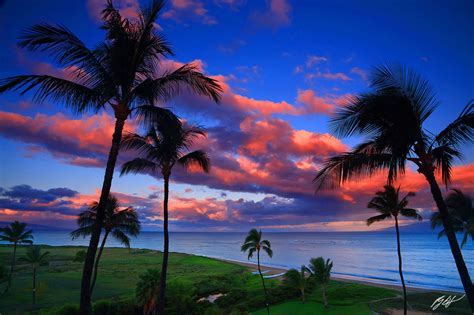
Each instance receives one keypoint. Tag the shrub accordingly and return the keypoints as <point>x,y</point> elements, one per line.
<point>67,309</point>
<point>80,256</point>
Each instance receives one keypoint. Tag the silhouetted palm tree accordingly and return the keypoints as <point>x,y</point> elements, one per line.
<point>119,223</point>
<point>123,71</point>
<point>461,215</point>
<point>148,291</point>
<point>297,280</point>
<point>159,151</point>
<point>392,117</point>
<point>254,243</point>
<point>389,204</point>
<point>35,258</point>
<point>15,233</point>
<point>321,273</point>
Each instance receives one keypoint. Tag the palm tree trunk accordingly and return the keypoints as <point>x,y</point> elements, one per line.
<point>325,298</point>
<point>85,301</point>
<point>96,266</point>
<point>34,286</point>
<point>11,269</point>
<point>263,282</point>
<point>303,297</point>
<point>453,243</point>
<point>164,266</point>
<point>400,267</point>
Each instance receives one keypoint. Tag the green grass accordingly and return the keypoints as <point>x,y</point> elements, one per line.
<point>59,282</point>
<point>311,308</point>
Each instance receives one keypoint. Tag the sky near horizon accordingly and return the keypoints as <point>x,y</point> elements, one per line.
<point>285,66</point>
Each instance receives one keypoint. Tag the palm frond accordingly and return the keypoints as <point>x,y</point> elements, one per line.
<point>198,157</point>
<point>139,165</point>
<point>443,157</point>
<point>172,84</point>
<point>378,218</point>
<point>411,213</point>
<point>461,130</point>
<point>74,95</point>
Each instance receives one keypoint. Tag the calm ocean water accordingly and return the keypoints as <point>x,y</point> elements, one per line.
<point>363,256</point>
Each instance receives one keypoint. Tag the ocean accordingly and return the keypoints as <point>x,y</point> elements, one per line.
<point>427,261</point>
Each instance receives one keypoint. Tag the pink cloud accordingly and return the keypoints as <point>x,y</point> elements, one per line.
<point>328,76</point>
<point>183,10</point>
<point>276,15</point>
<point>360,72</point>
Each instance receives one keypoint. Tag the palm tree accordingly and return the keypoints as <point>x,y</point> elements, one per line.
<point>389,204</point>
<point>164,146</point>
<point>148,291</point>
<point>461,215</point>
<point>119,223</point>
<point>15,233</point>
<point>123,71</point>
<point>321,273</point>
<point>391,116</point>
<point>254,243</point>
<point>297,280</point>
<point>35,258</point>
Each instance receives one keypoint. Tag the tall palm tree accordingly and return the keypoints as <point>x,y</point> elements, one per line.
<point>321,273</point>
<point>389,204</point>
<point>158,152</point>
<point>391,116</point>
<point>123,71</point>
<point>297,280</point>
<point>461,215</point>
<point>254,243</point>
<point>35,258</point>
<point>148,291</point>
<point>16,233</point>
<point>119,223</point>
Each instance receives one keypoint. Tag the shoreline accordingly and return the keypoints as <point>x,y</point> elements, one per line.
<point>272,271</point>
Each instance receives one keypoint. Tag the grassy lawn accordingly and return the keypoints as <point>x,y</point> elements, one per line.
<point>311,308</point>
<point>59,282</point>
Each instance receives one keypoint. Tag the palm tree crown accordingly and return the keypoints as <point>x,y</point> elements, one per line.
<point>148,288</point>
<point>391,116</point>
<point>15,233</point>
<point>254,243</point>
<point>163,147</point>
<point>120,223</point>
<point>122,71</point>
<point>461,215</point>
<point>320,270</point>
<point>297,280</point>
<point>34,256</point>
<point>389,205</point>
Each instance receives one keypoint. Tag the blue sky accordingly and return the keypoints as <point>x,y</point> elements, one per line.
<point>266,51</point>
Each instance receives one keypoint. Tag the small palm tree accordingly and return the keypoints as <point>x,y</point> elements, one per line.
<point>148,291</point>
<point>391,117</point>
<point>119,223</point>
<point>165,145</point>
<point>461,215</point>
<point>389,204</point>
<point>35,258</point>
<point>123,71</point>
<point>297,280</point>
<point>15,233</point>
<point>254,243</point>
<point>321,274</point>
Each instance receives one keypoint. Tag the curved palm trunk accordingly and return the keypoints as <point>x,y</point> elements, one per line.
<point>11,269</point>
<point>453,243</point>
<point>85,302</point>
<point>96,266</point>
<point>34,286</point>
<point>263,282</point>
<point>400,267</point>
<point>164,266</point>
